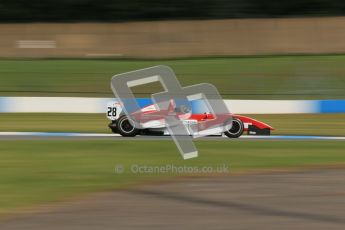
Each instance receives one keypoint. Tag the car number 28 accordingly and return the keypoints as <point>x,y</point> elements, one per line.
<point>111,111</point>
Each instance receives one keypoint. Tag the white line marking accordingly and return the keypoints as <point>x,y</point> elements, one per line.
<point>291,137</point>
<point>57,134</point>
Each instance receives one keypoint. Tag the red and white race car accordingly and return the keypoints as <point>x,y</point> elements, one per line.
<point>121,124</point>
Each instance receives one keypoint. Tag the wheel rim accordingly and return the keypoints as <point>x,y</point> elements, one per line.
<point>126,126</point>
<point>236,127</point>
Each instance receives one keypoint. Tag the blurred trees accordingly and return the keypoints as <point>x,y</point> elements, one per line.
<point>135,10</point>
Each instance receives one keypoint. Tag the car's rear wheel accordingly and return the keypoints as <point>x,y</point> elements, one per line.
<point>236,129</point>
<point>125,128</point>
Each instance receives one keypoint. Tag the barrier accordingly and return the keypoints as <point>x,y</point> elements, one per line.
<point>99,105</point>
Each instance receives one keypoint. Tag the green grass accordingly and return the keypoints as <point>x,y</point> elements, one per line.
<point>37,172</point>
<point>292,124</point>
<point>280,77</point>
<point>54,122</point>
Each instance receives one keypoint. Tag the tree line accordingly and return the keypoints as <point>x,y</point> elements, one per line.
<point>138,10</point>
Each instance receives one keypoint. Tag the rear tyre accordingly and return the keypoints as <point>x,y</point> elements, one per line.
<point>125,128</point>
<point>236,129</point>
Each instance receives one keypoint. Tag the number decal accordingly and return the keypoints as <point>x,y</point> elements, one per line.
<point>114,112</point>
<point>111,111</point>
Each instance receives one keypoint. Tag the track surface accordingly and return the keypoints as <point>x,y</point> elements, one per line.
<point>88,136</point>
<point>291,200</point>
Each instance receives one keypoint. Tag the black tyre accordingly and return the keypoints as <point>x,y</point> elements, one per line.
<point>125,128</point>
<point>236,129</point>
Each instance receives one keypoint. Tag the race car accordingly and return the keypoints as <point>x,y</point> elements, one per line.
<point>122,124</point>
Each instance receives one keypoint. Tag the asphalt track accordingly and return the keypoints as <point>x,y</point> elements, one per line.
<point>117,137</point>
<point>313,199</point>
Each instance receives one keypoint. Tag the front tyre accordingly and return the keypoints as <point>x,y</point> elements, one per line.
<point>236,129</point>
<point>125,128</point>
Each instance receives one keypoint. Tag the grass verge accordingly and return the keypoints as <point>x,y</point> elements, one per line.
<point>267,77</point>
<point>37,172</point>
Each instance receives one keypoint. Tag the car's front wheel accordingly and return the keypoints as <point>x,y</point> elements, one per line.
<point>236,129</point>
<point>125,128</point>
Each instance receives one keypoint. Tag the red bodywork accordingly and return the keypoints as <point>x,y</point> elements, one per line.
<point>246,120</point>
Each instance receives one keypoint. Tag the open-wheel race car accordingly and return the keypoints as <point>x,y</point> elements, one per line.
<point>121,123</point>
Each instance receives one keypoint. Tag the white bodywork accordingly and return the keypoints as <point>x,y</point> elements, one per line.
<point>114,111</point>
